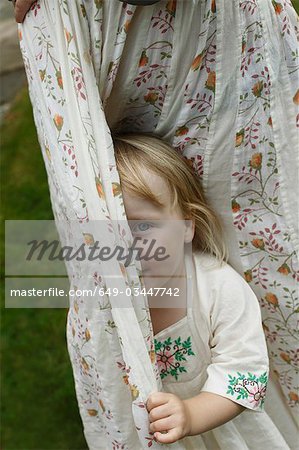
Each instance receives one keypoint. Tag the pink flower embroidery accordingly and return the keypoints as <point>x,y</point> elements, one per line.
<point>165,360</point>
<point>170,355</point>
<point>256,393</point>
<point>250,387</point>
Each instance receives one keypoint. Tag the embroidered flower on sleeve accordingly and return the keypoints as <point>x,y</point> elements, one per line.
<point>250,387</point>
<point>171,354</point>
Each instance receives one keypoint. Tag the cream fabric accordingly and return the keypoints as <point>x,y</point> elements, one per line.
<point>227,348</point>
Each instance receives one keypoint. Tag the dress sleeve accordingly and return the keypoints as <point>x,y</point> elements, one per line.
<point>239,359</point>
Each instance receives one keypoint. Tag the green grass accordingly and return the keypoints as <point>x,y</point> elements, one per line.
<point>39,408</point>
<point>296,5</point>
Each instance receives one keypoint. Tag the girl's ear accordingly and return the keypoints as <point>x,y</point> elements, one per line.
<point>189,229</point>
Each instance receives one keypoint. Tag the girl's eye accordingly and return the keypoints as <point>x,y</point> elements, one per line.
<point>142,226</point>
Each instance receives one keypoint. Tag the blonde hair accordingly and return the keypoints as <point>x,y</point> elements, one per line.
<point>135,150</point>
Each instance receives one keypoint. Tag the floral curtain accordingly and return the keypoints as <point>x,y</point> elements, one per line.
<point>215,79</point>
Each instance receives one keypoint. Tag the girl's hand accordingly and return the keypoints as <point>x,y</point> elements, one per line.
<point>167,412</point>
<point>21,8</point>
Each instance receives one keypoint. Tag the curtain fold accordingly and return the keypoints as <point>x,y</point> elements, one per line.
<point>217,81</point>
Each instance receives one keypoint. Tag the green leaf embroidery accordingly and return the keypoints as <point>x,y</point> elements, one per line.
<point>170,354</point>
<point>249,387</point>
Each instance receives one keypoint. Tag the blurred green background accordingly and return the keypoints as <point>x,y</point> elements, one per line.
<point>38,408</point>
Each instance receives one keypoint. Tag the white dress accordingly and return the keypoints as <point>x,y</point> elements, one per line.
<point>219,347</point>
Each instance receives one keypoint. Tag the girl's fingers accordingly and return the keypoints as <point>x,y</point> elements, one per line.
<point>167,438</point>
<point>161,424</point>
<point>156,399</point>
<point>159,412</point>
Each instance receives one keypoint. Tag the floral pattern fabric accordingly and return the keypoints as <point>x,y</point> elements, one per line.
<point>225,95</point>
<point>171,356</point>
<point>248,386</point>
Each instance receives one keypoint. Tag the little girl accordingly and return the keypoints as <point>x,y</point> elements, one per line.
<point>209,341</point>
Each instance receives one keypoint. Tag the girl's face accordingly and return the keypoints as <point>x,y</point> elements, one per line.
<point>156,227</point>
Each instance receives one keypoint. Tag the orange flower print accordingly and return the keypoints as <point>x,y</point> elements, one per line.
<point>126,379</point>
<point>196,62</point>
<point>257,88</point>
<point>293,397</point>
<point>100,188</point>
<point>258,243</point>
<point>85,365</point>
<point>20,35</point>
<point>86,56</point>
<point>152,356</point>
<point>134,391</point>
<point>127,25</point>
<point>248,276</point>
<point>284,269</point>
<point>296,98</point>
<point>122,268</point>
<point>58,120</point>
<point>59,79</point>
<point>211,81</point>
<point>143,59</point>
<point>92,412</point>
<point>235,206</point>
<point>213,6</point>
<point>151,97</point>
<point>48,153</point>
<point>116,189</point>
<point>68,36</point>
<point>271,298</point>
<point>88,238</point>
<point>76,306</point>
<point>87,334</point>
<point>240,137</point>
<point>256,161</point>
<point>285,357</point>
<point>270,122</point>
<point>42,74</point>
<point>277,7</point>
<point>171,7</point>
<point>102,405</point>
<point>181,130</point>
